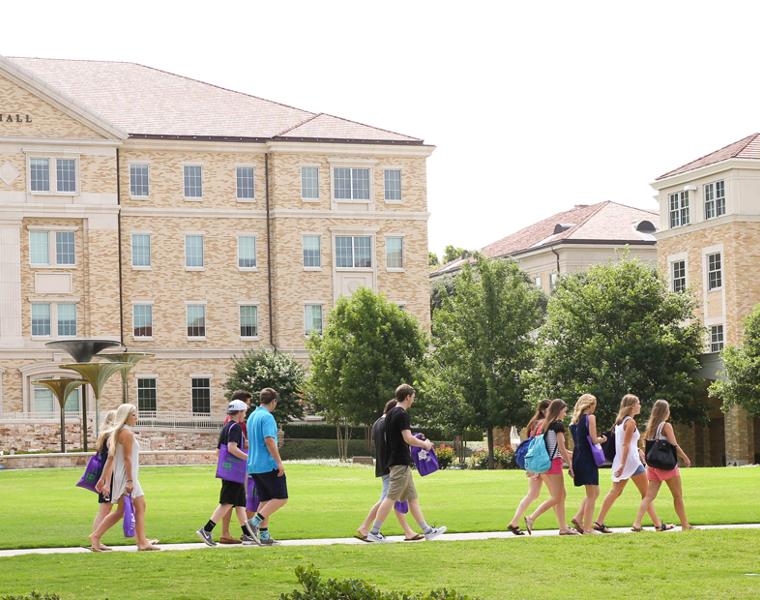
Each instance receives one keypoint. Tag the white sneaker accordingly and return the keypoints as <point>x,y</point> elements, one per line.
<point>376,537</point>
<point>435,532</point>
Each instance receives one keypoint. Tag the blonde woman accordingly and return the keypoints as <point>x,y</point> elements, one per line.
<point>101,447</point>
<point>585,471</point>
<point>534,479</point>
<point>627,464</point>
<point>125,449</point>
<point>659,428</point>
<point>554,436</point>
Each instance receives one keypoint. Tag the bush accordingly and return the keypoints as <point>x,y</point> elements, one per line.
<point>355,589</point>
<point>503,458</point>
<point>303,449</point>
<point>446,455</point>
<point>32,596</point>
<point>318,431</point>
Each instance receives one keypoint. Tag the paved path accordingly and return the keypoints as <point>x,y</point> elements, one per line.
<point>449,537</point>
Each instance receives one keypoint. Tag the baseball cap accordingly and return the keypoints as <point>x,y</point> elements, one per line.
<point>236,405</point>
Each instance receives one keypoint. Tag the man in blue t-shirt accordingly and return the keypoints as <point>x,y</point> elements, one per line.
<point>265,466</point>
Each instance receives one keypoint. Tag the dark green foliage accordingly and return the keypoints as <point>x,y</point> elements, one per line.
<point>451,252</point>
<point>256,370</point>
<point>315,588</point>
<point>304,449</point>
<point>433,259</point>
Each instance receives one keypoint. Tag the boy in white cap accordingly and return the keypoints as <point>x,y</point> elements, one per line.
<point>232,493</point>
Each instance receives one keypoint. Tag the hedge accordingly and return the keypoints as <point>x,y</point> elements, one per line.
<point>326,431</point>
<point>300,449</point>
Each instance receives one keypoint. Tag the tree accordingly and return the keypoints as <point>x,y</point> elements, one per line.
<point>617,330</point>
<point>368,348</point>
<point>741,386</point>
<point>452,253</point>
<point>483,347</point>
<point>258,369</point>
<point>433,259</point>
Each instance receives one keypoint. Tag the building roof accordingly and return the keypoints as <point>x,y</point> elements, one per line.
<point>748,147</point>
<point>148,102</point>
<point>606,222</point>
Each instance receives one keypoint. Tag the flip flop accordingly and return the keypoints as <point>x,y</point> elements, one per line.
<point>637,529</point>
<point>665,527</point>
<point>104,548</point>
<point>358,535</point>
<point>149,549</point>
<point>578,527</point>
<point>417,537</point>
<point>569,532</point>
<point>528,525</point>
<point>515,530</point>
<point>94,549</point>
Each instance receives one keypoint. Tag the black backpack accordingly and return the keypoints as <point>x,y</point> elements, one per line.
<point>608,447</point>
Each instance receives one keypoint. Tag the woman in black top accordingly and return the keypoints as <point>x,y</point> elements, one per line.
<point>585,471</point>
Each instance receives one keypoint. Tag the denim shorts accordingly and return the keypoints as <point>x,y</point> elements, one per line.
<point>386,485</point>
<point>641,469</point>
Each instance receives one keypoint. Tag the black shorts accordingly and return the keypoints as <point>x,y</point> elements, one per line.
<point>270,487</point>
<point>232,493</point>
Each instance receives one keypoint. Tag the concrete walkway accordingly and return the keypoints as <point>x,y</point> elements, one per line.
<point>449,537</point>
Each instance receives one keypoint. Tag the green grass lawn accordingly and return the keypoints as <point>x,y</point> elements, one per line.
<point>40,508</point>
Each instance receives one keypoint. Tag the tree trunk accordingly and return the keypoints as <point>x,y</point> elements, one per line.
<point>343,433</point>
<point>489,432</point>
<point>368,437</point>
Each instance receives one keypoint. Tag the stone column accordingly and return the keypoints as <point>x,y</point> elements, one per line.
<point>739,437</point>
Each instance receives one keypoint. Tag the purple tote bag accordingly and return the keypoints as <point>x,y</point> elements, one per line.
<point>92,473</point>
<point>251,498</point>
<point>230,468</point>
<point>129,517</point>
<point>401,506</point>
<point>596,449</point>
<point>425,461</point>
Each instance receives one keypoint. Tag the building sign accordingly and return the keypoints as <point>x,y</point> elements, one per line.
<point>15,118</point>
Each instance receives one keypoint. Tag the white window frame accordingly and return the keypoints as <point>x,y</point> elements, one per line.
<point>710,190</point>
<point>143,338</point>
<point>52,251</point>
<point>682,213</point>
<point>400,184</point>
<point>672,259</point>
<point>255,251</point>
<point>253,182</point>
<point>353,166</point>
<point>139,376</point>
<point>135,267</point>
<point>249,338</point>
<point>141,163</point>
<point>373,248</point>
<point>53,304</point>
<point>203,182</point>
<point>300,173</point>
<point>210,391</point>
<point>303,249</point>
<point>711,337</point>
<point>308,303</point>
<point>197,338</point>
<point>553,281</point>
<point>537,281</point>
<point>56,407</point>
<point>402,268</point>
<point>202,235</point>
<point>53,174</point>
<point>720,271</point>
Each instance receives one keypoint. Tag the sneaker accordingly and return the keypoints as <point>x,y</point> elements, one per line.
<point>206,537</point>
<point>247,540</point>
<point>270,541</point>
<point>376,537</point>
<point>253,533</point>
<point>435,532</point>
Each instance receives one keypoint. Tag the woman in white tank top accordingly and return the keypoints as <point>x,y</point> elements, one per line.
<point>627,464</point>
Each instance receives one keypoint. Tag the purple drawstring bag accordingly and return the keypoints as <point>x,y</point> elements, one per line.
<point>230,468</point>
<point>92,473</point>
<point>251,498</point>
<point>596,449</point>
<point>401,506</point>
<point>425,461</point>
<point>129,517</point>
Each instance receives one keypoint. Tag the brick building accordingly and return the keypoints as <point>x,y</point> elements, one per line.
<point>190,221</point>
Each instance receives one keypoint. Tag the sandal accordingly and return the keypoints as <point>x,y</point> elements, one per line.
<point>569,532</point>
<point>578,527</point>
<point>665,527</point>
<point>95,549</point>
<point>528,525</point>
<point>637,529</point>
<point>515,530</point>
<point>360,536</point>
<point>415,538</point>
<point>601,527</point>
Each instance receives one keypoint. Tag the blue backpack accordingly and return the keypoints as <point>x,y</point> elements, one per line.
<point>537,457</point>
<point>520,453</point>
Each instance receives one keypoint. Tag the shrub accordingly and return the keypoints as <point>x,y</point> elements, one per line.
<point>503,458</point>
<point>445,455</point>
<point>318,431</point>
<point>315,588</point>
<point>301,449</point>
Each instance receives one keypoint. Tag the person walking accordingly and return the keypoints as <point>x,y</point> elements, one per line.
<point>246,397</point>
<point>554,437</point>
<point>627,464</point>
<point>382,470</point>
<point>125,470</point>
<point>398,439</point>
<point>265,465</point>
<point>534,479</point>
<point>658,428</point>
<point>101,447</point>
<point>585,470</point>
<point>232,494</point>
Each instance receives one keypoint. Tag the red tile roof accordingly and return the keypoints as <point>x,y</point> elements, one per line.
<point>145,101</point>
<point>748,147</point>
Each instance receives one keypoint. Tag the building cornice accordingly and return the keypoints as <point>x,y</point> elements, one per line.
<point>667,234</point>
<point>706,171</point>
<point>385,215</point>
<point>185,213</point>
<point>44,142</point>
<point>282,213</point>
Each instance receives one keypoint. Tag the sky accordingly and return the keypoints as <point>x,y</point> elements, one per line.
<point>533,106</point>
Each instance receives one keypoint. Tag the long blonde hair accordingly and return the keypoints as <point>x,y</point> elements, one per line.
<point>120,420</point>
<point>585,402</point>
<point>107,424</point>
<point>660,414</point>
<point>552,413</point>
<point>626,407</point>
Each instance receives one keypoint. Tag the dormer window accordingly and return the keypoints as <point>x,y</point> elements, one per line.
<point>560,227</point>
<point>645,227</point>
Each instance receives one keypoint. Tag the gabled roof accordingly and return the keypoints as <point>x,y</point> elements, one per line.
<point>748,147</point>
<point>148,102</point>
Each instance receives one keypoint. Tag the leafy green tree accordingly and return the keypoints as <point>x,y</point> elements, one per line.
<point>615,330</point>
<point>452,253</point>
<point>483,347</point>
<point>433,259</point>
<point>742,369</point>
<point>368,348</point>
<point>258,369</point>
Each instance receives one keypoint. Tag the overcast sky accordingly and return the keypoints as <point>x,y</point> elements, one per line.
<point>533,106</point>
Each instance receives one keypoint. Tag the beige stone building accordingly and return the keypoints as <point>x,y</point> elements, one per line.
<point>708,244</point>
<point>189,221</point>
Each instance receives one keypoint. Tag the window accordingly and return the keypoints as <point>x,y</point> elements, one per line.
<point>142,320</point>
<point>249,321</point>
<point>678,275</point>
<point>196,320</point>
<point>247,251</point>
<point>312,255</point>
<point>244,176</point>
<point>394,252</point>
<point>313,319</point>
<point>64,248</point>
<point>351,183</point>
<point>679,208</point>
<point>553,281</point>
<point>392,184</point>
<point>67,319</point>
<point>537,281</point>
<point>39,247</point>
<point>45,402</point>
<point>146,396</point>
<point>715,199</point>
<point>63,242</point>
<point>40,319</point>
<point>193,181</point>
<point>716,338</point>
<point>714,272</point>
<point>353,251</point>
<point>201,396</point>
<point>65,175</point>
<point>194,251</point>
<point>39,171</point>
<point>140,249</point>
<point>139,186</point>
<point>310,183</point>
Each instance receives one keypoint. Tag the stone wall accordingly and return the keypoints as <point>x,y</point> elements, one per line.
<point>79,459</point>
